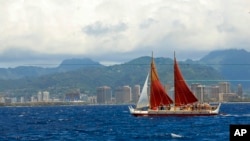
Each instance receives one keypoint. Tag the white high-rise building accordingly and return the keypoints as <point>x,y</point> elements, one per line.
<point>33,99</point>
<point>39,96</point>
<point>46,96</point>
<point>22,99</point>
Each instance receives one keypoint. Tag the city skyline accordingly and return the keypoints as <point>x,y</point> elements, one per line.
<point>220,92</point>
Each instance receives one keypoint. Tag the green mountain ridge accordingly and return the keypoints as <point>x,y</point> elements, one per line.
<point>86,75</point>
<point>87,79</point>
<point>233,64</point>
<point>33,71</point>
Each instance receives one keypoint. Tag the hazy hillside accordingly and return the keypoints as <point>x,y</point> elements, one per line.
<point>88,78</point>
<point>74,64</point>
<point>233,64</point>
<point>84,74</point>
<point>31,71</point>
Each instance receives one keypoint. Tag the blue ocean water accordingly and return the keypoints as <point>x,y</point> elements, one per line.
<point>114,123</point>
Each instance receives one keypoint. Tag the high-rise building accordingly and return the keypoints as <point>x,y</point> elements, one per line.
<point>21,99</point>
<point>39,96</point>
<point>197,90</point>
<point>224,87</point>
<point>46,96</point>
<point>240,91</point>
<point>72,96</point>
<point>136,93</point>
<point>119,95</point>
<point>127,94</point>
<point>104,95</point>
<point>33,99</point>
<point>13,100</point>
<point>92,99</point>
<point>194,87</point>
<point>214,93</point>
<point>200,91</point>
<point>2,99</point>
<point>123,94</point>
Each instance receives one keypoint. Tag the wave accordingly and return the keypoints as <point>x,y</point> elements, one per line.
<point>173,135</point>
<point>236,115</point>
<point>20,115</point>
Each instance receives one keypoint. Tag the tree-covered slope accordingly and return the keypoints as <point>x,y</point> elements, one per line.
<point>233,64</point>
<point>89,78</point>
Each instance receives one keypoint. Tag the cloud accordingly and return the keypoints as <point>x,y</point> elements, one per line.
<point>147,23</point>
<point>98,28</point>
<point>107,29</point>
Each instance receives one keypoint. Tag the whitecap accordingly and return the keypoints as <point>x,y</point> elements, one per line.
<point>173,135</point>
<point>246,115</point>
<point>21,115</point>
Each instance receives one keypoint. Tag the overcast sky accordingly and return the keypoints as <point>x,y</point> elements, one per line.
<point>48,31</point>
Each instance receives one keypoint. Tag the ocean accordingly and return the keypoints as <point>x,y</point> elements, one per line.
<point>114,123</point>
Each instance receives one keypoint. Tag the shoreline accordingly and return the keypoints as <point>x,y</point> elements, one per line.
<point>43,104</point>
<point>35,104</point>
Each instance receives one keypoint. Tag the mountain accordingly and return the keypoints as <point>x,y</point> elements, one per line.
<point>32,71</point>
<point>74,64</point>
<point>90,77</point>
<point>23,71</point>
<point>233,64</point>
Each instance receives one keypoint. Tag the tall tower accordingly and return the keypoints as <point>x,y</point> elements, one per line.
<point>136,93</point>
<point>46,96</point>
<point>224,87</point>
<point>200,90</point>
<point>39,96</point>
<point>240,91</point>
<point>127,96</point>
<point>104,95</point>
<point>214,93</point>
<point>123,94</point>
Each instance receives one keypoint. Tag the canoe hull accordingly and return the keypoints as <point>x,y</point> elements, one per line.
<point>174,112</point>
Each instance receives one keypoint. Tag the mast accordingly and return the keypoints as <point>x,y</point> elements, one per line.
<point>174,80</point>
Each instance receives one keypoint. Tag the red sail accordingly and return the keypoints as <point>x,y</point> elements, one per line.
<point>158,96</point>
<point>183,95</point>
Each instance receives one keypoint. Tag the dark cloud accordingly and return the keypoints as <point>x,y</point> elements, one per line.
<point>99,28</point>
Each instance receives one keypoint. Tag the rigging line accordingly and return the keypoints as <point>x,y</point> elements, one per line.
<point>217,80</point>
<point>242,64</point>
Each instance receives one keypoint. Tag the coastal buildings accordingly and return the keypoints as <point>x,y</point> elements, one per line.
<point>119,95</point>
<point>42,97</point>
<point>216,93</point>
<point>220,92</point>
<point>72,96</point>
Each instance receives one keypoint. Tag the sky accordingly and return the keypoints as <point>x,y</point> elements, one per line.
<point>45,32</point>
